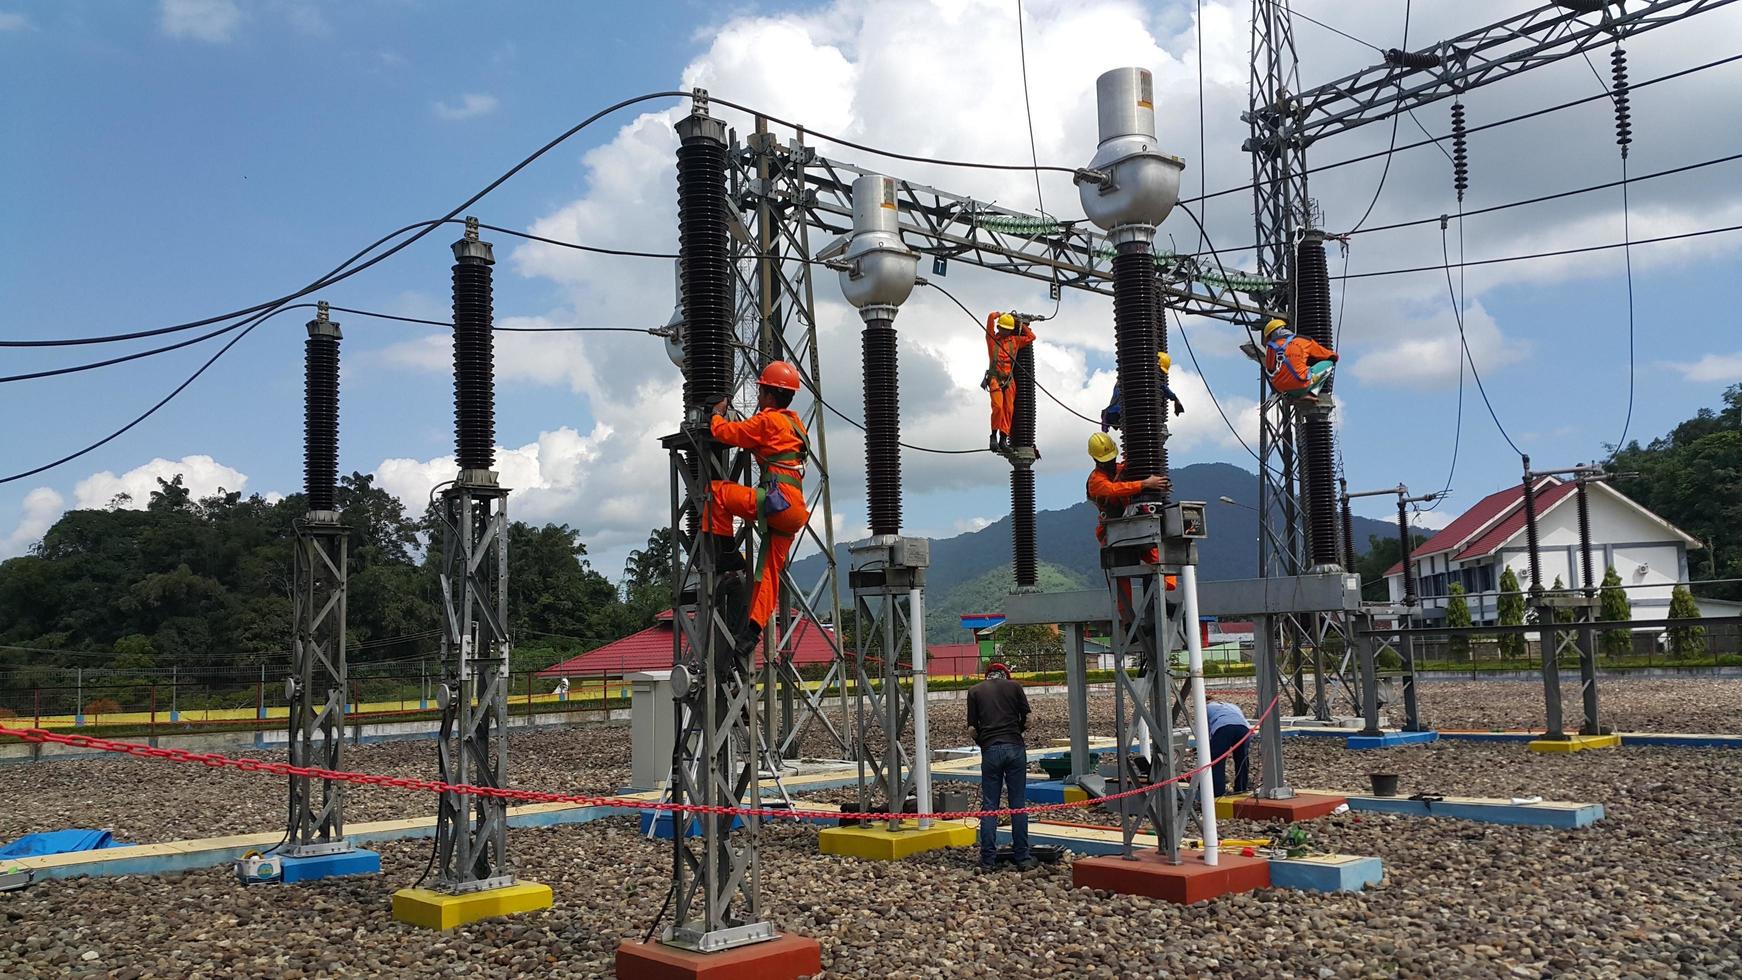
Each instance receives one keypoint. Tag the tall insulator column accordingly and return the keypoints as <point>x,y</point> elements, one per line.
<point>1161,345</point>
<point>1318,447</point>
<point>878,277</point>
<point>320,427</point>
<point>1027,566</point>
<point>474,353</point>
<point>704,253</point>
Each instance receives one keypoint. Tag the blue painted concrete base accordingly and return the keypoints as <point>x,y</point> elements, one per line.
<point>1563,816</point>
<point>659,822</point>
<point>1387,740</point>
<point>1327,873</point>
<point>1046,791</point>
<point>353,862</point>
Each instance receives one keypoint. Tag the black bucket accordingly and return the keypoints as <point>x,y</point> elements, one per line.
<point>1384,783</point>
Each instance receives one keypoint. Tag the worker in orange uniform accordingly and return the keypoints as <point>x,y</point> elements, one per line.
<point>778,439</point>
<point>1297,366</point>
<point>1005,335</point>
<point>1110,494</point>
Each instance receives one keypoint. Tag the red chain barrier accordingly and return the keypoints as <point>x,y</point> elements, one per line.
<point>215,760</point>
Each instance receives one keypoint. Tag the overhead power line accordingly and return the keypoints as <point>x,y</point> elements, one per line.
<point>1548,255</point>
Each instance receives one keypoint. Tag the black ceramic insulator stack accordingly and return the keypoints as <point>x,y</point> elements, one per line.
<point>474,366</point>
<point>1585,541</point>
<point>1135,349</point>
<point>882,427</point>
<point>1404,549</point>
<point>1460,152</point>
<point>1021,474</point>
<point>1530,529</point>
<point>1318,452</point>
<point>704,253</point>
<point>1623,109</point>
<point>1348,531</point>
<point>320,421</point>
<point>1164,406</point>
<point>1418,60</point>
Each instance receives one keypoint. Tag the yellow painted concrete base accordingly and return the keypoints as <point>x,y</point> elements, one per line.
<point>879,844</point>
<point>1575,743</point>
<point>1225,804</point>
<point>437,910</point>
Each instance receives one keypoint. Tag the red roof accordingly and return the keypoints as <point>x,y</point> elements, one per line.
<point>1482,518</point>
<point>1502,532</point>
<point>650,649</point>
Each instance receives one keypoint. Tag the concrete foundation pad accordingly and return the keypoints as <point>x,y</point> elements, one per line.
<point>879,843</point>
<point>1054,791</point>
<point>1147,873</point>
<point>785,957</point>
<point>1549,813</point>
<point>1326,872</point>
<point>352,862</point>
<point>438,910</point>
<point>1575,743</point>
<point>1299,807</point>
<point>1387,740</point>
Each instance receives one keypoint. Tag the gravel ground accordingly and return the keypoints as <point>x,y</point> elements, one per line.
<point>1655,889</point>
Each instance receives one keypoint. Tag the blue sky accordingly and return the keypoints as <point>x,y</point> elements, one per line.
<point>172,160</point>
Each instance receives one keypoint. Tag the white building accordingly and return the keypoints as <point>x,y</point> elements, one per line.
<point>1649,553</point>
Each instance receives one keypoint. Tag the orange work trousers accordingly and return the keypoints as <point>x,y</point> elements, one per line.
<point>727,500</point>
<point>1003,406</point>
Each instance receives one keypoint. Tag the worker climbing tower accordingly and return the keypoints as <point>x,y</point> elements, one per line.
<point>888,573</point>
<point>473,875</point>
<point>315,845</point>
<point>714,899</point>
<point>1128,189</point>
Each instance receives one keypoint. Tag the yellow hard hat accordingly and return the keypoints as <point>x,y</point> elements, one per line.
<point>1273,326</point>
<point>1006,322</point>
<point>1102,448</point>
<point>1163,361</point>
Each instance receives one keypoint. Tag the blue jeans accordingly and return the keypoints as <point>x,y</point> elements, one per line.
<point>1003,767</point>
<point>1220,740</point>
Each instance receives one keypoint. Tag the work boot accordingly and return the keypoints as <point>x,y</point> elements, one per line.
<point>1004,443</point>
<point>992,443</point>
<point>727,557</point>
<point>1027,864</point>
<point>748,639</point>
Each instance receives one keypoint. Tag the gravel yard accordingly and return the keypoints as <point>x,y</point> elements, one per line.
<point>1655,889</point>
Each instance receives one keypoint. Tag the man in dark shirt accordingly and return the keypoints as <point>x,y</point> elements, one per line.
<point>998,714</point>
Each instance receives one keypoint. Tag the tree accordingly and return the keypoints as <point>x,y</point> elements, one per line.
<point>1382,553</point>
<point>1685,640</point>
<point>1458,614</point>
<point>1511,605</point>
<point>1614,608</point>
<point>1032,647</point>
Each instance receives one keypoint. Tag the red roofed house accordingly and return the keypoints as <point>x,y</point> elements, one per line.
<point>650,649</point>
<point>1475,549</point>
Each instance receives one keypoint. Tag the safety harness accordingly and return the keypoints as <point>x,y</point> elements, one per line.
<point>770,501</point>
<point>993,375</point>
<point>1280,350</point>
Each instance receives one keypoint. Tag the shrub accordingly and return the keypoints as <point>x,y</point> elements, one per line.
<point>1389,659</point>
<point>103,706</point>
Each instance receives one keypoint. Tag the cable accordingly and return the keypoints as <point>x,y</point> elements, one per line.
<point>1554,254</point>
<point>1179,323</point>
<point>1333,30</point>
<point>1391,147</point>
<point>1033,154</point>
<point>1464,342</point>
<point>1203,154</point>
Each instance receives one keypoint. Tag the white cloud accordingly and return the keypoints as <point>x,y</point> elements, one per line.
<point>1431,355</point>
<point>14,22</point>
<point>1433,520</point>
<point>546,477</point>
<point>306,18</point>
<point>42,507</point>
<point>202,475</point>
<point>1712,367</point>
<point>470,106</point>
<point>203,20</point>
<point>968,525</point>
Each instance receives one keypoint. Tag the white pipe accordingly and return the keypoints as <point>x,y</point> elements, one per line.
<point>1188,581</point>
<point>921,743</point>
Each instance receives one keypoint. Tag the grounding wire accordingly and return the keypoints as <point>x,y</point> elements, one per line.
<point>1034,375</point>
<point>1295,13</point>
<point>1464,343</point>
<point>1391,146</point>
<point>1203,154</point>
<point>1616,99</point>
<point>1028,110</point>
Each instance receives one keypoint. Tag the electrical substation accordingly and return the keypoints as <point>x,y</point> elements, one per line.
<point>800,807</point>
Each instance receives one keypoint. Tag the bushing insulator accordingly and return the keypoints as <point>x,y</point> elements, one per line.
<point>1135,350</point>
<point>1318,447</point>
<point>474,366</point>
<point>1022,526</point>
<point>320,453</point>
<point>704,250</point>
<point>1022,420</point>
<point>882,427</point>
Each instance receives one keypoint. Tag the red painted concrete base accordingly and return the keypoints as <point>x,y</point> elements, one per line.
<point>785,957</point>
<point>1192,881</point>
<point>1304,806</point>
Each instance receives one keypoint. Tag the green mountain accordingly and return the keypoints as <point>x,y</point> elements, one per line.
<point>985,594</point>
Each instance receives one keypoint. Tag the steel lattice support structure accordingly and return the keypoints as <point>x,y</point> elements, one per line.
<point>472,832</point>
<point>316,688</point>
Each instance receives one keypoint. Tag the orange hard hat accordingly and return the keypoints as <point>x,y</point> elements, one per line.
<point>779,375</point>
